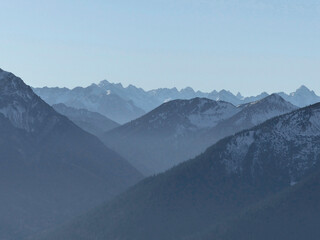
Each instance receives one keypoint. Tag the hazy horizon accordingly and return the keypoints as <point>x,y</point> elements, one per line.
<point>248,46</point>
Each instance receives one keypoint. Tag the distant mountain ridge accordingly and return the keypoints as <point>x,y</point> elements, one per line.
<point>135,101</point>
<point>94,99</point>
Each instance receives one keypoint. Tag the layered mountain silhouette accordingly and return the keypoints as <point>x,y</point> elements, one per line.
<point>50,169</point>
<point>233,175</point>
<point>92,122</point>
<point>181,129</point>
<point>123,104</point>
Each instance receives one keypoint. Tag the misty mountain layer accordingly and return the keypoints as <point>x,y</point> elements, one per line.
<point>92,122</point>
<point>181,129</point>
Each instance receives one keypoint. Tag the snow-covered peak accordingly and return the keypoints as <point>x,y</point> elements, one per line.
<point>187,115</point>
<point>288,143</point>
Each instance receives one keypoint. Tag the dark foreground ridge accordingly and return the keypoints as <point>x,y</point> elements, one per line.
<point>233,175</point>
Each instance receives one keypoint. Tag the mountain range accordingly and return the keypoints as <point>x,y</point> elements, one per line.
<point>123,104</point>
<point>181,129</point>
<point>71,171</point>
<point>50,169</point>
<point>266,172</point>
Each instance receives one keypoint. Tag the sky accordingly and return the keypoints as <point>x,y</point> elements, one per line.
<point>239,45</point>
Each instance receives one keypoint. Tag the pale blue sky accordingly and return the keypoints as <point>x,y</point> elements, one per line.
<point>240,45</point>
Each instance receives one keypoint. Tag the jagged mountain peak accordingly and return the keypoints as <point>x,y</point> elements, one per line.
<point>304,92</point>
<point>301,97</point>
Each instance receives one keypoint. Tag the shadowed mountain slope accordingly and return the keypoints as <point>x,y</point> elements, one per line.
<point>50,169</point>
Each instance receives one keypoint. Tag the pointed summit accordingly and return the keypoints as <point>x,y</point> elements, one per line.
<point>303,91</point>
<point>303,88</point>
<point>273,104</point>
<point>273,98</point>
<point>303,96</point>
